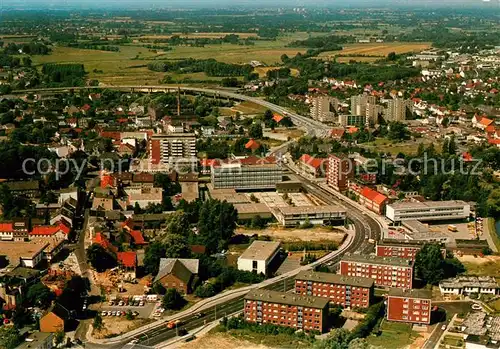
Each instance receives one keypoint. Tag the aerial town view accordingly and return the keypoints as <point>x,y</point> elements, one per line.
<point>250,174</point>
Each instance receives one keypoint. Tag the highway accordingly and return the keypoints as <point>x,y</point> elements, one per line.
<point>313,127</point>
<point>366,227</point>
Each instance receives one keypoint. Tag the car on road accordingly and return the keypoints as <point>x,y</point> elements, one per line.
<point>443,328</point>
<point>174,323</point>
<point>199,315</point>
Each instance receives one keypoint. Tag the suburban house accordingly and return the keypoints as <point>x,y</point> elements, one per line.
<point>465,285</point>
<point>177,273</point>
<point>54,319</point>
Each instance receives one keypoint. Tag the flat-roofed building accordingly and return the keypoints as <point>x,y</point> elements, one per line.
<point>25,254</point>
<point>247,211</point>
<point>406,249</point>
<point>464,285</point>
<point>323,108</point>
<point>339,170</point>
<point>291,216</point>
<point>428,210</point>
<point>285,309</point>
<point>173,150</point>
<point>385,271</point>
<point>252,173</point>
<point>346,291</point>
<point>409,305</point>
<point>258,256</point>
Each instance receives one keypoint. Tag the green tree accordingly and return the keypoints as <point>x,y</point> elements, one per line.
<point>178,223</point>
<point>429,264</point>
<point>176,246</point>
<point>152,256</point>
<point>59,337</point>
<point>173,300</point>
<point>39,295</point>
<point>255,131</point>
<point>9,337</point>
<point>98,322</point>
<point>217,221</point>
<point>100,258</point>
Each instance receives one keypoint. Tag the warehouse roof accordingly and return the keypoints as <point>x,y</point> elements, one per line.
<point>260,250</point>
<point>334,279</point>
<point>311,209</point>
<point>428,204</point>
<point>287,298</point>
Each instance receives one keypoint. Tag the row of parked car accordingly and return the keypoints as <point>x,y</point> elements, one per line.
<point>117,313</point>
<point>126,302</point>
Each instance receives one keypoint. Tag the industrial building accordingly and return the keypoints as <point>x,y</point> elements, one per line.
<point>258,256</point>
<point>252,173</point>
<point>428,211</point>
<point>346,291</point>
<point>291,216</point>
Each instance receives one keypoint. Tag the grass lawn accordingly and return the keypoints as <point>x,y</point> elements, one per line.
<point>495,305</point>
<point>394,335</point>
<point>488,268</point>
<point>490,225</point>
<point>275,341</point>
<point>395,147</point>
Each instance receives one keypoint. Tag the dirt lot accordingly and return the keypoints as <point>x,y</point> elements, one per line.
<point>221,341</point>
<point>314,234</point>
<point>262,71</point>
<point>488,265</point>
<point>114,326</point>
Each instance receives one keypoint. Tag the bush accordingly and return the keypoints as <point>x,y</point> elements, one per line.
<point>173,299</point>
<point>364,328</point>
<point>310,246</point>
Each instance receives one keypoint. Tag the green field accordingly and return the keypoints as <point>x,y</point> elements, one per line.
<point>129,66</point>
<point>394,335</point>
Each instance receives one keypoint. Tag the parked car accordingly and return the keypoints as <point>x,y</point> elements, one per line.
<point>104,313</point>
<point>476,307</point>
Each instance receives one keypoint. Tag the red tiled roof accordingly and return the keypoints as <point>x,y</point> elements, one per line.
<point>312,161</point>
<point>45,230</point>
<point>86,107</point>
<point>64,227</point>
<point>6,227</point>
<point>252,144</point>
<point>254,160</point>
<point>486,121</point>
<point>123,120</point>
<point>494,141</point>
<point>373,195</point>
<point>490,129</point>
<point>337,132</point>
<point>155,152</point>
<point>127,259</point>
<point>111,134</point>
<point>209,162</point>
<point>129,223</point>
<point>352,130</point>
<point>107,180</point>
<point>277,118</point>
<point>201,249</point>
<point>101,240</point>
<point>467,157</point>
<point>137,237</point>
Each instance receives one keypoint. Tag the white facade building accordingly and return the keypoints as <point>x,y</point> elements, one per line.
<point>428,210</point>
<point>258,256</point>
<point>464,285</point>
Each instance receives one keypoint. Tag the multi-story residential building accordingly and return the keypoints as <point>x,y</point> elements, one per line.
<point>406,249</point>
<point>411,306</point>
<point>339,170</point>
<point>373,200</point>
<point>285,309</point>
<point>252,173</point>
<point>397,109</point>
<point>258,256</point>
<point>359,102</point>
<point>464,285</point>
<point>352,120</point>
<point>346,291</point>
<point>428,210</point>
<point>173,150</point>
<point>323,108</point>
<point>373,112</point>
<point>385,271</point>
<point>291,216</point>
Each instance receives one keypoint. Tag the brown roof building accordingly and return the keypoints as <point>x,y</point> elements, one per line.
<point>55,319</point>
<point>177,273</point>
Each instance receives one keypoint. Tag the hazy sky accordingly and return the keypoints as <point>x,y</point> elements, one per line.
<point>267,3</point>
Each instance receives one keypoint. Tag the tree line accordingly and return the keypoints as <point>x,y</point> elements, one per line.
<point>209,66</point>
<point>32,48</point>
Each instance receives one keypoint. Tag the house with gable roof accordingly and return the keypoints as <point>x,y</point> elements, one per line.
<point>177,273</point>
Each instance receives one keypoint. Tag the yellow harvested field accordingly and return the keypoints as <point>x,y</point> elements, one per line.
<point>245,108</point>
<point>262,71</point>
<point>221,341</point>
<point>379,49</point>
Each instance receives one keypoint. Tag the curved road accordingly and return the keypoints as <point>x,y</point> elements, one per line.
<point>313,127</point>
<point>366,227</point>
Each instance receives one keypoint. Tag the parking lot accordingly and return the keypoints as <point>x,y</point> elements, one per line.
<point>144,311</point>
